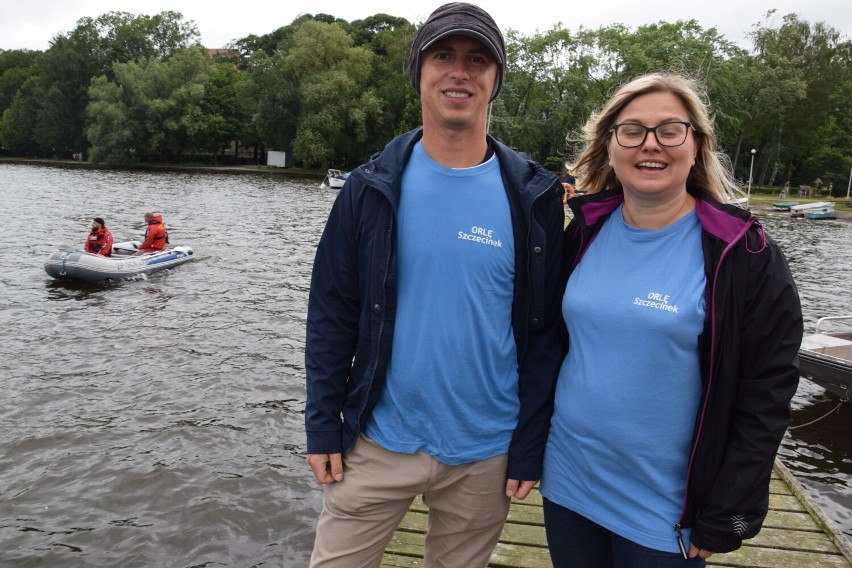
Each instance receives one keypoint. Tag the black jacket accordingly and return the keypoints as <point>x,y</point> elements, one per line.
<point>352,304</point>
<point>749,364</point>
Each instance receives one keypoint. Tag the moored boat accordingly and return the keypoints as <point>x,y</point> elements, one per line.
<point>122,265</point>
<point>336,178</point>
<point>784,205</point>
<point>825,213</point>
<point>816,210</point>
<point>825,357</point>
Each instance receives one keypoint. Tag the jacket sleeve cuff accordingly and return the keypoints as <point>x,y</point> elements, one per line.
<point>524,468</point>
<point>717,542</point>
<point>325,442</point>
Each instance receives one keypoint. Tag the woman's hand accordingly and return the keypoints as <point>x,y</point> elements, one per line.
<point>700,552</point>
<point>519,489</point>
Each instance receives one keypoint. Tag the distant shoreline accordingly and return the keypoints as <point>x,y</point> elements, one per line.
<point>760,204</point>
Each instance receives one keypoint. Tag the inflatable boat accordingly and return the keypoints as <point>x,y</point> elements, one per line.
<point>122,265</point>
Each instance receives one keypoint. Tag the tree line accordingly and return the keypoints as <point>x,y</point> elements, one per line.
<point>124,88</point>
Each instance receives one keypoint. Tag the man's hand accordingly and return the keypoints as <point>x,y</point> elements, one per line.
<point>328,468</point>
<point>519,489</point>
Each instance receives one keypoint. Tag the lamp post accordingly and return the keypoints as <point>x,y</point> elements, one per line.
<point>750,170</point>
<point>848,187</point>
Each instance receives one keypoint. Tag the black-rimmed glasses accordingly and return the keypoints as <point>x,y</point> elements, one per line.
<point>631,135</point>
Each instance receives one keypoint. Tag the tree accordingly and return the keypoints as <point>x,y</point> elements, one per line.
<point>544,94</point>
<point>389,39</point>
<point>226,107</point>
<point>110,125</point>
<point>557,78</point>
<point>153,106</point>
<point>332,91</point>
<point>276,90</point>
<point>795,70</point>
<point>273,85</point>
<point>17,100</point>
<point>830,158</point>
<point>121,37</point>
<point>335,99</point>
<point>62,76</point>
<point>63,81</point>
<point>16,66</point>
<point>18,124</point>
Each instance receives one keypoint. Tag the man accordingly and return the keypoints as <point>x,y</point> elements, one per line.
<point>155,234</point>
<point>434,329</point>
<point>99,240</point>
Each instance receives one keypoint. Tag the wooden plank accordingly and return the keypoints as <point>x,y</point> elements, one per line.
<point>829,527</point>
<point>804,541</point>
<point>519,512</point>
<point>786,503</point>
<point>778,487</point>
<point>783,542</point>
<point>410,545</point>
<point>408,552</point>
<point>414,521</point>
<point>511,556</point>
<point>756,557</point>
<point>526,514</point>
<point>795,534</point>
<point>790,521</point>
<point>524,534</point>
<point>391,560</point>
<point>406,543</point>
<point>534,498</point>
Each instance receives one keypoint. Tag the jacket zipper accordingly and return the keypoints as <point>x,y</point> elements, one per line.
<point>680,543</point>
<point>529,263</point>
<point>710,374</point>
<point>381,326</point>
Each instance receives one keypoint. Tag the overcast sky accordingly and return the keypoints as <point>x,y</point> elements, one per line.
<point>30,24</point>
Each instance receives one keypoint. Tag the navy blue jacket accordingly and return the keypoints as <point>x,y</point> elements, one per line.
<point>352,305</point>
<point>749,365</point>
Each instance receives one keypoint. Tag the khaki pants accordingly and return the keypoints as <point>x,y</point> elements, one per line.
<point>467,508</point>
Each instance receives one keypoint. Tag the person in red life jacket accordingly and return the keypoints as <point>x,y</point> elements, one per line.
<point>156,236</point>
<point>99,240</point>
<point>569,192</point>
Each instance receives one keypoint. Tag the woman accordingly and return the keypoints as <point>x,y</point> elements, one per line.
<point>684,326</point>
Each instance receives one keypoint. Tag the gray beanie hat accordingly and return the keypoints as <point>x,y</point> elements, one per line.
<point>458,18</point>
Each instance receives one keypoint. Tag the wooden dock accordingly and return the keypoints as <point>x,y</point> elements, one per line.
<point>796,534</point>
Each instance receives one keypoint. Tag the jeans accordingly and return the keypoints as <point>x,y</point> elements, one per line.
<point>577,542</point>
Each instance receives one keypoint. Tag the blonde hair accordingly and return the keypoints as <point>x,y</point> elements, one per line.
<point>712,168</point>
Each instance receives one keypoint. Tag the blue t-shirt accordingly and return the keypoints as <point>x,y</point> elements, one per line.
<point>452,380</point>
<point>629,389</point>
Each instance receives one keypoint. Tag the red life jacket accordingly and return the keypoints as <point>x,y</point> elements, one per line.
<point>100,242</point>
<point>156,236</point>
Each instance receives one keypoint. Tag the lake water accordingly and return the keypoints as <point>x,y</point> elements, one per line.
<point>159,422</point>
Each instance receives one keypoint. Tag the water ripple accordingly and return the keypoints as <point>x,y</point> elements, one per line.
<point>157,421</point>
